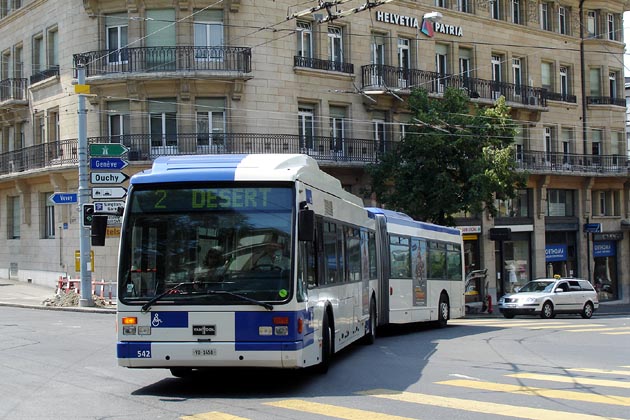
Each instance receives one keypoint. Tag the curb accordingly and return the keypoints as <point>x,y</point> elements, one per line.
<point>94,310</point>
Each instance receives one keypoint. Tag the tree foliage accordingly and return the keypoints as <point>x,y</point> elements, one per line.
<point>456,157</point>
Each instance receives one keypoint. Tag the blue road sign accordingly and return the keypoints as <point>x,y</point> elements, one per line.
<point>108,163</point>
<point>592,227</point>
<point>64,198</point>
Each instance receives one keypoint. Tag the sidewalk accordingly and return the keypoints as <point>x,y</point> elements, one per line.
<point>28,295</point>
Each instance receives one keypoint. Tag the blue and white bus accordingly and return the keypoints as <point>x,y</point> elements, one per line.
<point>266,261</point>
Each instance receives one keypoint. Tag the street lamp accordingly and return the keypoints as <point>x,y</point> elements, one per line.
<point>433,17</point>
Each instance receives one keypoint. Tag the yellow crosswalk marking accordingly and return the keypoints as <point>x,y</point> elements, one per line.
<point>213,415</point>
<point>606,371</point>
<point>478,406</point>
<point>333,410</point>
<point>572,380</point>
<point>540,392</point>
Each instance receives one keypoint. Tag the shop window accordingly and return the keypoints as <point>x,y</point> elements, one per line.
<point>514,207</point>
<point>606,203</point>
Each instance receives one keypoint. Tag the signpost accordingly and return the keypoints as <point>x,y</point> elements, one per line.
<point>109,192</point>
<point>107,149</point>
<point>592,227</point>
<point>64,198</point>
<point>108,177</point>
<point>108,207</point>
<point>108,163</point>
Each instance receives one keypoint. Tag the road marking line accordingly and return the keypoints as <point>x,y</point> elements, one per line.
<point>540,392</point>
<point>501,323</point>
<point>607,371</point>
<point>213,415</point>
<point>333,410</point>
<point>617,333</point>
<point>562,326</point>
<point>477,406</point>
<point>571,380</point>
<point>599,329</point>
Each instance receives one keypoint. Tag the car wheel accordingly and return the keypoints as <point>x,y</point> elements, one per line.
<point>508,315</point>
<point>587,312</point>
<point>547,310</point>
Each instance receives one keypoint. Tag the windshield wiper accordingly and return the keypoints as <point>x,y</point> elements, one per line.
<point>154,299</point>
<point>265,305</point>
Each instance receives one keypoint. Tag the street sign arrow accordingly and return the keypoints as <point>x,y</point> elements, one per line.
<point>109,192</point>
<point>64,198</point>
<point>108,177</point>
<point>108,207</point>
<point>107,149</point>
<point>108,163</point>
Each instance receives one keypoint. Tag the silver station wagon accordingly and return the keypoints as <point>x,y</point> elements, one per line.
<point>548,297</point>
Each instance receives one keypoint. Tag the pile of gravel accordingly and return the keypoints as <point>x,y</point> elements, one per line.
<point>72,299</point>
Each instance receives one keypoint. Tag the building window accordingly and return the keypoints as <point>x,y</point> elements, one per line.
<point>464,6</point>
<point>116,30</point>
<point>546,76</point>
<point>13,217</point>
<point>545,18</point>
<point>563,26</point>
<point>39,54</point>
<point>304,39</point>
<point>441,66</point>
<point>8,6</point>
<point>18,62</point>
<point>514,207</point>
<point>548,143</point>
<point>48,216</point>
<point>440,3</point>
<point>517,75</point>
<point>516,12</point>
<point>378,49</point>
<point>560,203</point>
<point>53,48</point>
<point>564,82</point>
<point>591,24</point>
<point>596,144</point>
<point>612,84</point>
<point>211,124</point>
<point>39,128</point>
<point>612,32</point>
<point>404,62</point>
<point>567,146</point>
<point>119,122</point>
<point>606,203</point>
<point>306,126</point>
<point>208,34</point>
<point>595,82</point>
<point>335,47</point>
<point>497,76</point>
<point>163,125</point>
<point>337,128</point>
<point>379,130</point>
<point>495,9</point>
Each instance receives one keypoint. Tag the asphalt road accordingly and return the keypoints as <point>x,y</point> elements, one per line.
<point>61,365</point>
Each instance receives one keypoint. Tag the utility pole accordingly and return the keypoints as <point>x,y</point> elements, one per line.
<point>84,192</point>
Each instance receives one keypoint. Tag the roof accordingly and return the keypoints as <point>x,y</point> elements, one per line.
<point>405,220</point>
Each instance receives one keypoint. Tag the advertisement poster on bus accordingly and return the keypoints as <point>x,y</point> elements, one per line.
<point>419,270</point>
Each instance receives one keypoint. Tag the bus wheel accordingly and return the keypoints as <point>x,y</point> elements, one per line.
<point>370,337</point>
<point>443,311</point>
<point>324,364</point>
<point>181,372</point>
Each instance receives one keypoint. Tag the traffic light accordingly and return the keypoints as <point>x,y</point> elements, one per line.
<point>88,215</point>
<point>99,230</point>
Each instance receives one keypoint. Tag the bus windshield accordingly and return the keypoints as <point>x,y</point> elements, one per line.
<point>199,241</point>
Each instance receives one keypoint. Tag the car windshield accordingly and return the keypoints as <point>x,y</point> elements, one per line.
<point>537,286</point>
<point>207,245</point>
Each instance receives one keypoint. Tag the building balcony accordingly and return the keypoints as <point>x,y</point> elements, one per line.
<point>13,92</point>
<point>572,164</point>
<point>317,64</point>
<point>605,100</point>
<point>377,77</point>
<point>561,97</point>
<point>45,74</point>
<point>221,60</point>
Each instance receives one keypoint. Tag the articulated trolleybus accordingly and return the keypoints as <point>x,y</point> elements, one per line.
<point>266,261</point>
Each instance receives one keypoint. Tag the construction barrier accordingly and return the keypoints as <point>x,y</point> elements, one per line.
<point>67,285</point>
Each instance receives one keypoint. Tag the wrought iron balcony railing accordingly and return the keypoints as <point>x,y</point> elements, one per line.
<point>605,100</point>
<point>45,74</point>
<point>166,59</point>
<point>376,76</point>
<point>13,90</point>
<point>318,64</point>
<point>570,163</point>
<point>562,97</point>
<point>145,147</point>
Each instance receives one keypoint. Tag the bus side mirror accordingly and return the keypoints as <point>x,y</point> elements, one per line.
<point>306,225</point>
<point>99,229</point>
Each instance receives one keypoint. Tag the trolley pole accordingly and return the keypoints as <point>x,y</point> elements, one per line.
<point>84,191</point>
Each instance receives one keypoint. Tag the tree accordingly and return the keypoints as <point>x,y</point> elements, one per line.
<point>456,157</point>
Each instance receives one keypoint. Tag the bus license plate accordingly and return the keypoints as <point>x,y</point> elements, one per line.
<point>204,352</point>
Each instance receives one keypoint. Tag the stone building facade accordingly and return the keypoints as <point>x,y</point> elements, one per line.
<point>239,76</point>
